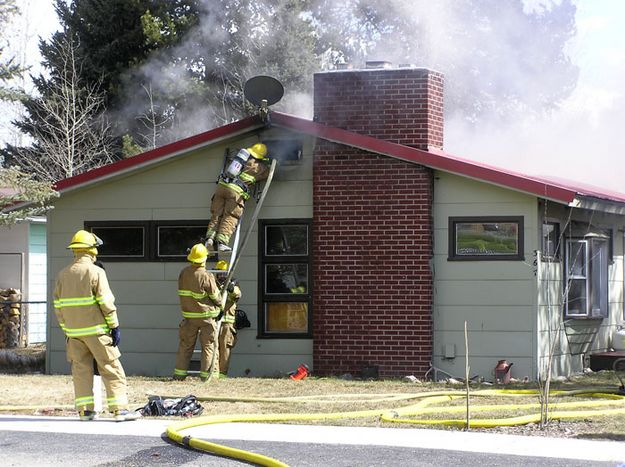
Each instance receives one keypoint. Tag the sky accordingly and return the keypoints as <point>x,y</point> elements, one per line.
<point>581,141</point>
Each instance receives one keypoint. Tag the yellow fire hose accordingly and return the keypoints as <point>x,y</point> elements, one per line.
<point>393,415</point>
<point>417,412</point>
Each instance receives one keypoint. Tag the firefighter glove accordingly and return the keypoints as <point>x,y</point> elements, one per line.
<point>116,335</point>
<point>231,286</point>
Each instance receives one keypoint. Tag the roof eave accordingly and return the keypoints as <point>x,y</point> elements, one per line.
<point>598,204</point>
<point>158,155</point>
<point>434,159</point>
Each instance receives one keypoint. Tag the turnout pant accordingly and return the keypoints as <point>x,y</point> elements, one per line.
<point>226,210</point>
<point>81,352</point>
<point>227,341</point>
<point>190,329</point>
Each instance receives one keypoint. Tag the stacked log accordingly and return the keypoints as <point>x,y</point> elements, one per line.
<point>11,323</point>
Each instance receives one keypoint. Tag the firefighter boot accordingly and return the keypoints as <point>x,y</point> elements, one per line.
<point>125,415</point>
<point>86,415</point>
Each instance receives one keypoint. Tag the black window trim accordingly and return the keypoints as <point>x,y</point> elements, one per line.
<point>453,220</point>
<point>264,298</point>
<point>150,238</point>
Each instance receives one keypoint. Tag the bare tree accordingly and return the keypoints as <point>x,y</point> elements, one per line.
<point>21,196</point>
<point>74,136</point>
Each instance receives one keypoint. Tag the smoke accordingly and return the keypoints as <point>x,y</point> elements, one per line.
<point>528,110</point>
<point>580,139</point>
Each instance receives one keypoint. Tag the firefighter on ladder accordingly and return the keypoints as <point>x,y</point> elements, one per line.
<point>227,330</point>
<point>86,312</point>
<point>200,303</point>
<point>248,167</point>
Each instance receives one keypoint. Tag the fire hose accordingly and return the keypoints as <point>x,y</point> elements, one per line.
<point>602,404</point>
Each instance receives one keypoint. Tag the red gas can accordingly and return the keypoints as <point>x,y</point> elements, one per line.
<point>502,372</point>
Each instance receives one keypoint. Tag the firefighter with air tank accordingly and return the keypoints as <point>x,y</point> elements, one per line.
<point>234,187</point>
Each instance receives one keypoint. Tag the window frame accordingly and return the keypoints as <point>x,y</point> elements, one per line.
<point>591,279</point>
<point>145,225</point>
<point>265,298</point>
<point>150,239</point>
<point>454,221</point>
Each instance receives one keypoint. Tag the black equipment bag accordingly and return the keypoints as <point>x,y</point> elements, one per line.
<point>184,407</point>
<point>240,320</point>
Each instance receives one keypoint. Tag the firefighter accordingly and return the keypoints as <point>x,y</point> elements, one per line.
<point>227,331</point>
<point>86,312</point>
<point>200,303</point>
<point>233,189</point>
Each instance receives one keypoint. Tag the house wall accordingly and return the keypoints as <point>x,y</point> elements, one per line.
<point>571,342</point>
<point>497,299</point>
<point>13,249</point>
<point>146,293</point>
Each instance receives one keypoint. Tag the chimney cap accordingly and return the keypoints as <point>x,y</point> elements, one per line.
<point>371,64</point>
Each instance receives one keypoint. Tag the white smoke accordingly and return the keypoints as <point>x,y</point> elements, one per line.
<point>582,139</point>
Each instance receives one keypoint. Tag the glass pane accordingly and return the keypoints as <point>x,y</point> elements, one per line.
<point>550,239</point>
<point>487,238</point>
<point>174,240</point>
<point>576,259</point>
<point>121,241</point>
<point>286,278</point>
<point>598,275</point>
<point>286,240</point>
<point>286,317</point>
<point>576,297</point>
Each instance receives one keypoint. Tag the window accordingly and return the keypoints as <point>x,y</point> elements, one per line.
<point>285,280</point>
<point>485,238</point>
<point>146,240</point>
<point>121,240</point>
<point>586,284</point>
<point>551,240</point>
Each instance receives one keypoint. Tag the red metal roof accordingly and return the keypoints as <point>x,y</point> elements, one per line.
<point>542,187</point>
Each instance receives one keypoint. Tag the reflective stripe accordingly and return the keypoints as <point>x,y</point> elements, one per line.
<point>201,314</point>
<point>236,188</point>
<point>189,293</point>
<point>223,238</point>
<point>108,298</point>
<point>83,401</point>
<point>180,372</point>
<point>76,301</point>
<point>203,374</point>
<point>120,400</point>
<point>90,331</point>
<point>215,297</point>
<point>111,321</point>
<point>229,319</point>
<point>247,178</point>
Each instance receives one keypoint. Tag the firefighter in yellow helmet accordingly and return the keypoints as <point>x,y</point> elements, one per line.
<point>248,167</point>
<point>86,312</point>
<point>228,331</point>
<point>200,303</point>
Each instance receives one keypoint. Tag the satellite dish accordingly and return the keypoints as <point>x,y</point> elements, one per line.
<point>263,90</point>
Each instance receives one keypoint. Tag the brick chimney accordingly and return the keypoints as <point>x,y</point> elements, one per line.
<point>403,105</point>
<point>372,223</point>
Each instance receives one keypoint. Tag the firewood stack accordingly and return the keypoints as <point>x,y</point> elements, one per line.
<point>11,323</point>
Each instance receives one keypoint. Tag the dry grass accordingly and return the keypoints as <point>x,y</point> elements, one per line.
<point>49,391</point>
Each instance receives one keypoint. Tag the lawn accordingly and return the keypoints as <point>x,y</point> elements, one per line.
<point>53,395</point>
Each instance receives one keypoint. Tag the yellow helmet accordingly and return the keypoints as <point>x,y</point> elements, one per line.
<point>258,151</point>
<point>198,253</point>
<point>83,240</point>
<point>222,265</point>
